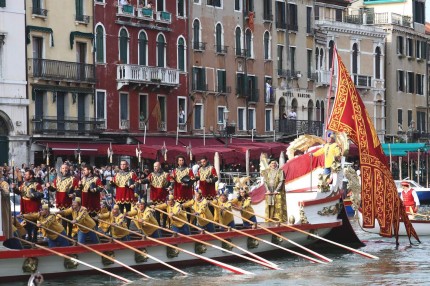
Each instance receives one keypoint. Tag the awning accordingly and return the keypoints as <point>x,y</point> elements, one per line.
<point>402,149</point>
<point>69,148</point>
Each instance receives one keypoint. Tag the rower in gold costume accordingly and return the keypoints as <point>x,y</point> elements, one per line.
<point>174,209</point>
<point>144,214</point>
<point>201,210</point>
<point>243,204</point>
<point>223,209</point>
<point>115,217</point>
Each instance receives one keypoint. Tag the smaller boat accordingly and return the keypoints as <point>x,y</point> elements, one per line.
<point>421,224</point>
<point>422,192</point>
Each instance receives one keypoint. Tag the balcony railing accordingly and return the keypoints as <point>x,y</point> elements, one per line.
<point>67,125</point>
<point>164,16</point>
<point>148,75</point>
<point>39,11</point>
<point>293,27</point>
<point>199,86</point>
<point>241,52</point>
<point>59,70</point>
<point>223,89</point>
<point>313,76</point>
<point>182,127</point>
<point>293,127</point>
<point>281,25</point>
<point>268,17</point>
<point>220,49</point>
<point>362,80</point>
<point>146,13</point>
<point>269,98</point>
<point>126,10</point>
<point>199,46</point>
<point>82,18</point>
<point>161,126</point>
<point>289,73</point>
<point>124,124</point>
<point>142,124</point>
<point>253,95</point>
<point>368,18</point>
<point>323,77</point>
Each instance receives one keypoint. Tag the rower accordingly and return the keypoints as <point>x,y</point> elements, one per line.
<point>201,210</point>
<point>410,198</point>
<point>222,204</point>
<point>243,204</point>
<point>81,216</point>
<point>144,214</point>
<point>174,209</point>
<point>115,217</point>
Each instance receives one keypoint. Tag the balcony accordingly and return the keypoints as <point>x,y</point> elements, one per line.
<point>126,10</point>
<point>182,127</point>
<point>82,19</point>
<point>161,126</point>
<point>252,95</point>
<point>267,17</point>
<point>142,124</point>
<point>163,16</point>
<point>127,74</point>
<point>39,12</point>
<point>293,27</point>
<point>281,25</point>
<point>223,89</point>
<point>221,50</point>
<point>199,86</point>
<point>289,74</point>
<point>323,77</point>
<point>67,125</point>
<point>294,127</point>
<point>362,81</point>
<point>269,99</point>
<point>242,53</point>
<point>313,76</point>
<point>146,13</point>
<point>199,46</point>
<point>124,124</point>
<point>59,70</point>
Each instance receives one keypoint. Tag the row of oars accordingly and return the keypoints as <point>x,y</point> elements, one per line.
<point>249,255</point>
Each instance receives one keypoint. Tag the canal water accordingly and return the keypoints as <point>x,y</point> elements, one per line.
<point>405,265</point>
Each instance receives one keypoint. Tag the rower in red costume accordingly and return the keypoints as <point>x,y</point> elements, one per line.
<point>409,198</point>
<point>182,181</point>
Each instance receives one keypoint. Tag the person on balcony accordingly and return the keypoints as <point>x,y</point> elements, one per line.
<point>181,115</point>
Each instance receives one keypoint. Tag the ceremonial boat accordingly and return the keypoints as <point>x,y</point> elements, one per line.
<point>311,214</point>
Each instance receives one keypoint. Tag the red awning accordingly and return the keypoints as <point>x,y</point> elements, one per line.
<point>69,148</point>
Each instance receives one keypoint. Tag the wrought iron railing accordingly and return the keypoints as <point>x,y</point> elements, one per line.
<point>220,49</point>
<point>199,46</point>
<point>292,127</point>
<point>82,18</point>
<point>362,80</point>
<point>59,70</point>
<point>67,125</point>
<point>39,11</point>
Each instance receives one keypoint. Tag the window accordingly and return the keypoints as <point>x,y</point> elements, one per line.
<point>309,20</point>
<point>338,15</point>
<point>419,12</point>
<point>221,81</point>
<point>241,119</point>
<point>280,15</point>
<point>400,117</point>
<point>196,1</point>
<point>162,125</point>
<point>196,34</point>
<point>409,47</point>
<point>409,118</point>
<point>238,42</point>
<point>421,121</point>
<point>268,120</point>
<point>143,110</point>
<point>317,13</point>
<point>249,44</point>
<point>181,54</point>
<point>400,80</point>
<point>321,59</point>
<point>267,45</point>
<point>199,79</point>
<point>252,88</point>
<point>280,58</point>
<point>400,46</point>
<point>292,19</point>
<point>251,118</point>
<point>330,54</point>
<point>215,3</point>
<point>267,10</point>
<point>220,114</point>
<point>182,117</point>
<point>293,59</point>
<point>143,49</point>
<point>237,5</point>
<point>420,84</point>
<point>100,44</point>
<point>198,116</point>
<point>309,62</point>
<point>249,6</point>
<point>378,63</point>
<point>240,84</point>
<point>355,58</point>
<point>1,59</point>
<point>161,51</point>
<point>123,46</point>
<point>123,110</point>
<point>160,5</point>
<point>181,8</point>
<point>219,38</point>
<point>37,8</point>
<point>2,3</point>
<point>79,10</point>
<point>101,104</point>
<point>420,50</point>
<point>410,82</point>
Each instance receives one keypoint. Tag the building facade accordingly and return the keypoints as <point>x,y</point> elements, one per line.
<point>13,98</point>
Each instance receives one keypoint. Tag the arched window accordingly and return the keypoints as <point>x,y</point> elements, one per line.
<point>181,54</point>
<point>355,59</point>
<point>378,63</point>
<point>100,44</point>
<point>266,45</point>
<point>196,34</point>
<point>322,58</point>
<point>317,54</point>
<point>218,38</point>
<point>249,48</point>
<point>238,42</point>
<point>330,54</point>
<point>161,51</point>
<point>123,46</point>
<point>143,49</point>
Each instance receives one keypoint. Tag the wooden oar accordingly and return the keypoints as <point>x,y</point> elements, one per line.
<point>129,247</point>
<point>259,260</point>
<point>76,260</point>
<point>282,237</point>
<point>231,268</point>
<point>91,249</point>
<point>201,241</point>
<point>318,237</point>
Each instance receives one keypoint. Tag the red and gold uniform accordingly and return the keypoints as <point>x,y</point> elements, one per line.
<point>91,193</point>
<point>158,182</point>
<point>208,178</point>
<point>124,195</point>
<point>64,186</point>
<point>30,202</point>
<point>410,200</point>
<point>182,192</point>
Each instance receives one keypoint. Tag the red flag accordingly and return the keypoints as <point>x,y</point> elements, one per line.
<point>379,197</point>
<point>156,112</point>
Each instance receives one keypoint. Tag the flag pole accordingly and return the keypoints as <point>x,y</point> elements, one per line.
<point>144,135</point>
<point>330,86</point>
<point>177,135</point>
